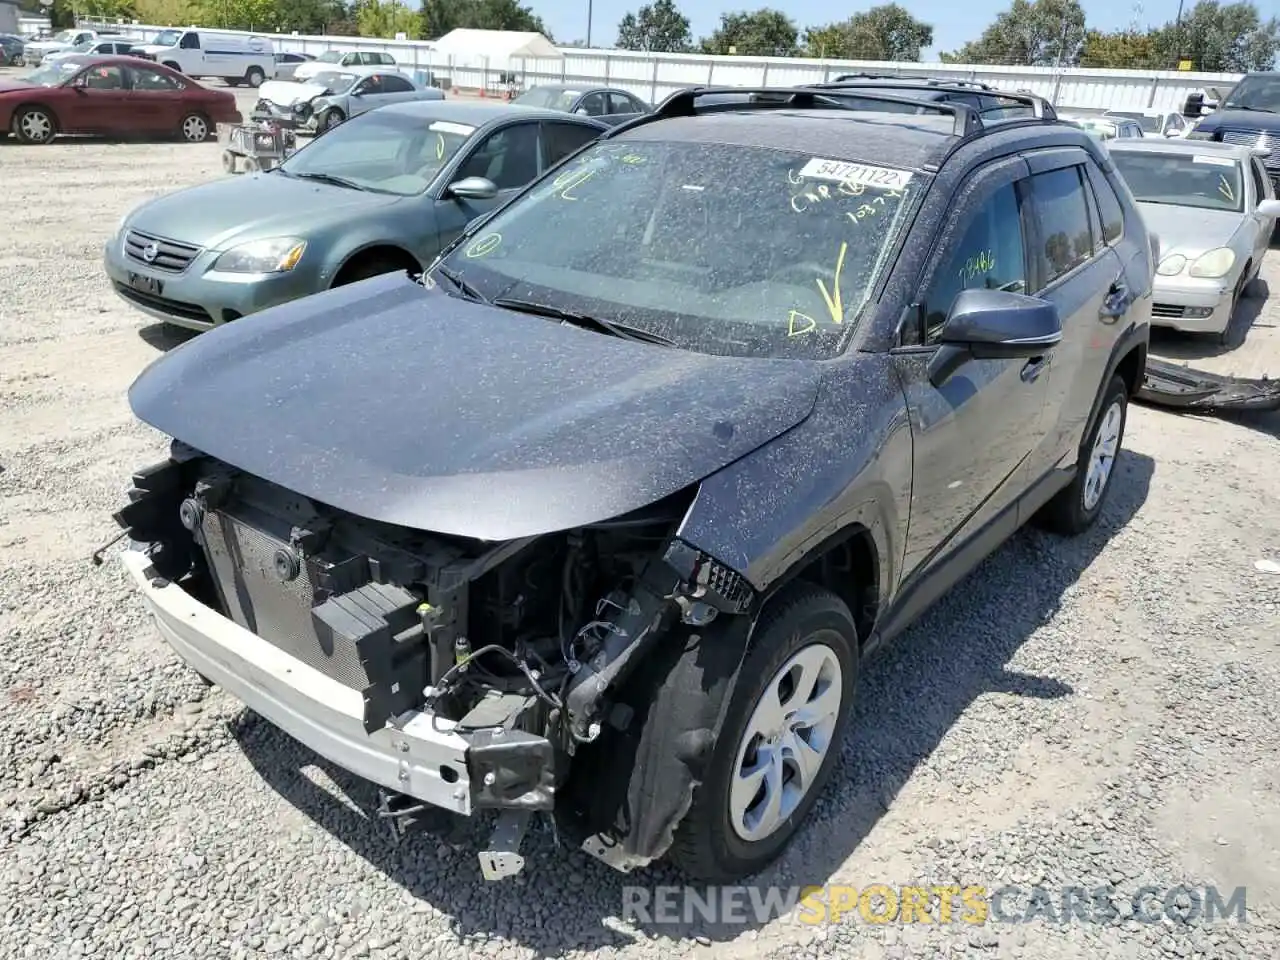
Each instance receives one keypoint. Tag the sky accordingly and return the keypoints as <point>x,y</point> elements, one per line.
<point>953,23</point>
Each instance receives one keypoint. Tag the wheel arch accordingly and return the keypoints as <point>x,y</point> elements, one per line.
<point>40,104</point>
<point>371,251</point>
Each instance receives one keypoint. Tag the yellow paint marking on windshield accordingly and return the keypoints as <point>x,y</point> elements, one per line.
<point>851,189</point>
<point>978,265</point>
<point>439,146</point>
<point>484,246</point>
<point>632,158</point>
<point>1225,188</point>
<point>798,323</point>
<point>793,177</point>
<point>568,181</point>
<point>833,299</point>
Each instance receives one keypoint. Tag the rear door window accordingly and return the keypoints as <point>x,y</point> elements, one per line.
<point>990,255</point>
<point>1062,214</point>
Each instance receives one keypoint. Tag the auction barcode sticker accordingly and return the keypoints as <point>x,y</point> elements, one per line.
<point>1213,161</point>
<point>842,171</point>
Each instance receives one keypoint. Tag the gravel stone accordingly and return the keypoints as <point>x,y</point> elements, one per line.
<point>1088,713</point>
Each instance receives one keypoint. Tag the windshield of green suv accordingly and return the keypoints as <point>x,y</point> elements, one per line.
<point>721,248</point>
<point>380,152</point>
<point>1257,92</point>
<point>1178,179</point>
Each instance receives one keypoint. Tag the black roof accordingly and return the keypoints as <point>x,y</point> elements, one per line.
<point>911,141</point>
<point>799,121</point>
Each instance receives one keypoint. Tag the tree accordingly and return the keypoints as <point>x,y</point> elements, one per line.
<point>308,16</point>
<point>1121,49</point>
<point>1230,38</point>
<point>167,13</point>
<point>385,18</point>
<point>763,33</point>
<point>1033,33</point>
<point>440,16</point>
<point>658,27</point>
<point>886,32</point>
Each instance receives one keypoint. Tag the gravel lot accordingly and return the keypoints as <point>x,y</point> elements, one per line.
<point>1101,710</point>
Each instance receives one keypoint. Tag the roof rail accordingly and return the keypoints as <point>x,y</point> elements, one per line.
<point>932,81</point>
<point>1040,107</point>
<point>683,103</point>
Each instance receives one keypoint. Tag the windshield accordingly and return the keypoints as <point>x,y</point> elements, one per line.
<point>167,38</point>
<point>84,47</point>
<point>549,98</point>
<point>65,36</point>
<point>1203,181</point>
<point>1099,128</point>
<point>54,73</point>
<point>329,56</point>
<point>1147,123</point>
<point>1258,92</point>
<point>334,80</point>
<point>724,249</point>
<point>382,152</point>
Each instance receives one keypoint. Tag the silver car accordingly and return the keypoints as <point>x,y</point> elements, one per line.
<point>1154,123</point>
<point>1212,209</point>
<point>332,96</point>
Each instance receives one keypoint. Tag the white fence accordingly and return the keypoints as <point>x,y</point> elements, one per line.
<point>654,76</point>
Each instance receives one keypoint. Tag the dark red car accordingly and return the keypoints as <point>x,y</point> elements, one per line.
<point>116,96</point>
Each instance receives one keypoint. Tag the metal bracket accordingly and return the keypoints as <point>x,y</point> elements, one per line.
<point>399,811</point>
<point>502,859</point>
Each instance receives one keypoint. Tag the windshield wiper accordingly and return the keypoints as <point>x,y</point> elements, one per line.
<point>623,330</point>
<point>330,178</point>
<point>467,290</point>
<point>1251,109</point>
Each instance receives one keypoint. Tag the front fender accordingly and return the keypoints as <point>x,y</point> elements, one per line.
<point>848,463</point>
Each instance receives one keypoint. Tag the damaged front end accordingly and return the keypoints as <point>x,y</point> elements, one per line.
<point>582,673</point>
<point>1200,391</point>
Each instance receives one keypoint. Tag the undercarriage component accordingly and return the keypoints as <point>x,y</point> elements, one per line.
<point>400,812</point>
<point>1199,391</point>
<point>502,858</point>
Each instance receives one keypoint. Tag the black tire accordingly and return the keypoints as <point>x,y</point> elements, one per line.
<point>330,119</point>
<point>228,161</point>
<point>254,77</point>
<point>172,66</point>
<point>251,165</point>
<point>706,845</point>
<point>1074,510</point>
<point>35,125</point>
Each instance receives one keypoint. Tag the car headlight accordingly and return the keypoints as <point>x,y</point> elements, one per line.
<point>278,255</point>
<point>1213,264</point>
<point>1171,265</point>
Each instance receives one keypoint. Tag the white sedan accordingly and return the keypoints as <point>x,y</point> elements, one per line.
<point>332,96</point>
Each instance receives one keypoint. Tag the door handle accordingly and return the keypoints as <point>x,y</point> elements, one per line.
<point>1117,301</point>
<point>1033,368</point>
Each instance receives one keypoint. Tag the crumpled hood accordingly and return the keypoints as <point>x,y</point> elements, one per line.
<point>1189,231</point>
<point>223,212</point>
<point>286,93</point>
<point>409,406</point>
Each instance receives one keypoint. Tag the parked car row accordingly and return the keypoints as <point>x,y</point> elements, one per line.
<point>817,306</point>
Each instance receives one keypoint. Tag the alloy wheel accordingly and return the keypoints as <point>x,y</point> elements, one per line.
<point>195,129</point>
<point>785,742</point>
<point>1103,455</point>
<point>36,126</point>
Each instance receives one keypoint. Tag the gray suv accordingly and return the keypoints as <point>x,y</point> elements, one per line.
<point>600,517</point>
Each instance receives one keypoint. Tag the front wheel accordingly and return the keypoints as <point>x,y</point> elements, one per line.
<point>331,119</point>
<point>194,128</point>
<point>781,738</point>
<point>34,125</point>
<point>1075,508</point>
<point>254,77</point>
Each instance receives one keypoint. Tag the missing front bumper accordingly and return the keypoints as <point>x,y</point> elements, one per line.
<point>1199,391</point>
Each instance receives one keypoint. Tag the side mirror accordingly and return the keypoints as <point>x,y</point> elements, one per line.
<point>1269,208</point>
<point>472,188</point>
<point>999,325</point>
